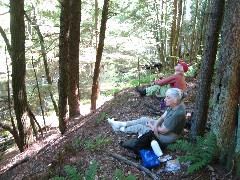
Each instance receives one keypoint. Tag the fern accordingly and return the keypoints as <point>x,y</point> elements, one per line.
<point>102,117</point>
<point>131,177</point>
<point>92,171</point>
<point>118,175</point>
<point>57,178</point>
<point>99,142</point>
<point>199,154</point>
<point>72,173</point>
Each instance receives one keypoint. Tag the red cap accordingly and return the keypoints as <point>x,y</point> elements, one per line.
<point>184,65</point>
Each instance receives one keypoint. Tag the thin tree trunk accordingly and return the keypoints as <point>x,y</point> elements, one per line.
<point>95,85</point>
<point>73,54</point>
<point>173,32</point>
<point>13,129</point>
<point>96,24</point>
<point>178,28</point>
<point>44,55</point>
<point>193,32</point>
<point>207,70</point>
<point>39,94</point>
<point>63,65</point>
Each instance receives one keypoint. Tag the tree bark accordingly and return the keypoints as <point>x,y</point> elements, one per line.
<point>95,85</point>
<point>199,118</point>
<point>73,52</point>
<point>193,32</point>
<point>17,28</point>
<point>63,65</point>
<point>173,32</point>
<point>227,89</point>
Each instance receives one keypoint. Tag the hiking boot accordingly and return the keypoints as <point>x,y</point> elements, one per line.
<point>142,92</point>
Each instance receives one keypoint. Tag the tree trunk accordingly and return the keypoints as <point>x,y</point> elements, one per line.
<point>96,24</point>
<point>178,28</point>
<point>44,55</point>
<point>63,65</point>
<point>193,32</point>
<point>227,89</point>
<point>207,69</point>
<point>95,85</point>
<point>73,52</point>
<point>173,32</point>
<point>17,28</point>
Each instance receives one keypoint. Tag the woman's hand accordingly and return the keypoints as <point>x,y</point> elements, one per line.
<point>149,124</point>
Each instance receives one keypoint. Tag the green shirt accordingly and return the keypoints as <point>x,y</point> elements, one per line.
<point>175,119</point>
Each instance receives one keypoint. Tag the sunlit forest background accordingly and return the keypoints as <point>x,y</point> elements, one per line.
<point>61,58</point>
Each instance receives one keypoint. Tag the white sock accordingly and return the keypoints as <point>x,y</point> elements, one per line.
<point>116,125</point>
<point>156,148</point>
<point>122,129</point>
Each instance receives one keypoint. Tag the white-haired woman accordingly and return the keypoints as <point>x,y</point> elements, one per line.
<point>167,128</point>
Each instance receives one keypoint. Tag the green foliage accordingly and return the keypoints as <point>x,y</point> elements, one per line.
<point>74,146</point>
<point>192,70</point>
<point>72,173</point>
<point>160,90</point>
<point>97,143</point>
<point>57,178</point>
<point>92,171</point>
<point>199,154</point>
<point>111,92</point>
<point>102,117</point>
<point>118,175</point>
<point>145,79</point>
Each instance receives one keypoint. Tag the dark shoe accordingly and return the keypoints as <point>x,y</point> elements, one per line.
<point>140,91</point>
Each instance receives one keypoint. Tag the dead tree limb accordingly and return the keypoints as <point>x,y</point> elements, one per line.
<point>141,168</point>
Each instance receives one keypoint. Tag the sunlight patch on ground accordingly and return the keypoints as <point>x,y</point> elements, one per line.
<point>52,119</point>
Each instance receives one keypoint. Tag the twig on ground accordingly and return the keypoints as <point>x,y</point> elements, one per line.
<point>149,173</point>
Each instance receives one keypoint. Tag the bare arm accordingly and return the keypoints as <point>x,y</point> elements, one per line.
<point>160,129</point>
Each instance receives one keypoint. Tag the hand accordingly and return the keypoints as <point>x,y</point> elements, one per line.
<point>149,124</point>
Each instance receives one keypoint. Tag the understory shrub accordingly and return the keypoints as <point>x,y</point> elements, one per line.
<point>199,154</point>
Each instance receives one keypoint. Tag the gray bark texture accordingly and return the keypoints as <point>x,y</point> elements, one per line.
<point>207,70</point>
<point>227,89</point>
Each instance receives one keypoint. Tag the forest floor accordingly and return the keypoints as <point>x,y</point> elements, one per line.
<point>48,157</point>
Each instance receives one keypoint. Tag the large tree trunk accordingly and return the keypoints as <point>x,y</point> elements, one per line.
<point>227,89</point>
<point>95,85</point>
<point>207,69</point>
<point>17,28</point>
<point>74,39</point>
<point>63,65</point>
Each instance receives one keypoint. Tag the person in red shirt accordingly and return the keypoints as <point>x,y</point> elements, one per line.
<point>176,80</point>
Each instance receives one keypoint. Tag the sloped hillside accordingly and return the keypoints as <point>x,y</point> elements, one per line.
<point>91,138</point>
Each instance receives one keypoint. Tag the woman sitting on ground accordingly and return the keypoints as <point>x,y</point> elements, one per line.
<point>176,80</point>
<point>167,128</point>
